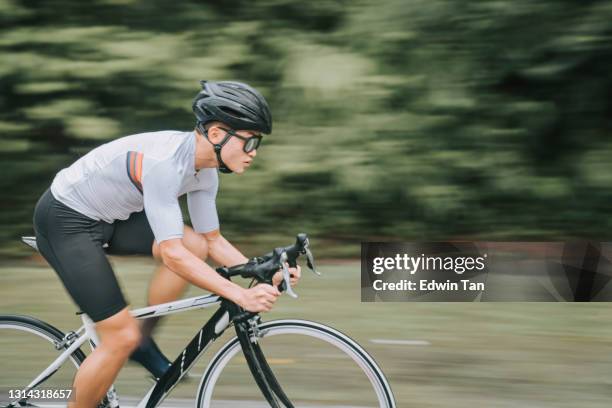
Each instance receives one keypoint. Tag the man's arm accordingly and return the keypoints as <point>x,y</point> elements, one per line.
<point>224,253</point>
<point>203,212</point>
<point>180,260</point>
<point>161,205</point>
<point>221,251</point>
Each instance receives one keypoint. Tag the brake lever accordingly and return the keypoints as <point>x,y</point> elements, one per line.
<point>287,276</point>
<point>310,261</point>
<point>305,244</point>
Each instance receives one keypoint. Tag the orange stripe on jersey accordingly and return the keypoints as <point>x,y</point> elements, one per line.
<point>134,168</point>
<point>139,157</point>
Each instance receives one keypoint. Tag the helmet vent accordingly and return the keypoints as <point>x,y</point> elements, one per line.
<point>231,93</point>
<point>231,112</point>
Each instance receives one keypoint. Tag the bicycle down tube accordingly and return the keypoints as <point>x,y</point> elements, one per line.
<point>214,328</point>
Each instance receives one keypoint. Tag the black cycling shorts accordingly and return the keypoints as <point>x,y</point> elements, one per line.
<point>76,247</point>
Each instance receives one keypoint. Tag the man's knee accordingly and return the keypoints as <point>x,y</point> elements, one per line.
<point>120,332</point>
<point>124,341</point>
<point>130,338</point>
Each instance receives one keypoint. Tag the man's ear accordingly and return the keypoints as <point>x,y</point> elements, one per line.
<point>215,135</point>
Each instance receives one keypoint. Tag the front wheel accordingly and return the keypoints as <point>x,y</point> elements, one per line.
<point>314,364</point>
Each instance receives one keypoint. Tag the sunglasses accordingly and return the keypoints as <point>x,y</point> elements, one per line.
<point>250,143</point>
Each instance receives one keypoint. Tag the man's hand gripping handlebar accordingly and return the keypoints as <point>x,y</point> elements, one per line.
<point>263,268</point>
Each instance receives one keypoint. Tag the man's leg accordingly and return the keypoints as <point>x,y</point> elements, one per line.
<point>166,285</point>
<point>72,244</point>
<point>134,236</point>
<point>119,336</point>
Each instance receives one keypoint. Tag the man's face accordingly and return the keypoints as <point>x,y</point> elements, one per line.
<point>233,154</point>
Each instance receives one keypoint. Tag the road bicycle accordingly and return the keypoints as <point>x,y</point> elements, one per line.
<point>252,337</point>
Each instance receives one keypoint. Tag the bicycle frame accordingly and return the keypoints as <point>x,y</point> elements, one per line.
<point>211,330</point>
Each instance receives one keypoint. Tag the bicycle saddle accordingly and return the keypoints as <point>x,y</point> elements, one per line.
<point>30,241</point>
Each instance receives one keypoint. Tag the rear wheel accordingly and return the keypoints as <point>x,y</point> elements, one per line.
<point>27,348</point>
<point>314,364</point>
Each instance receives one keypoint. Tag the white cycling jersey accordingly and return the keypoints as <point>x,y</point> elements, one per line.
<point>146,170</point>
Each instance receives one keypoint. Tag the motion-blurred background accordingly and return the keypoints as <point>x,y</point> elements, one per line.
<point>393,120</point>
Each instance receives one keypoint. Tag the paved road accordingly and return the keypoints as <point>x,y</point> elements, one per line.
<point>183,403</point>
<point>127,402</point>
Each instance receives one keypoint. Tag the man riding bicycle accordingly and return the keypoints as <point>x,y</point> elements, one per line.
<point>122,198</point>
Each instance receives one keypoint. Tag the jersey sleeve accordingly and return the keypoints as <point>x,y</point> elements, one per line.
<point>160,188</point>
<point>203,208</point>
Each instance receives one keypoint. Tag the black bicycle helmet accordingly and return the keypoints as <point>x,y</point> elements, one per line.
<point>234,103</point>
<point>237,105</point>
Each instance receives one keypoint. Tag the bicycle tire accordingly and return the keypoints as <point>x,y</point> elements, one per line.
<point>350,348</point>
<point>21,326</point>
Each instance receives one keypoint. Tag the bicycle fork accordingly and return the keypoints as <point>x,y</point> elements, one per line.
<point>248,334</point>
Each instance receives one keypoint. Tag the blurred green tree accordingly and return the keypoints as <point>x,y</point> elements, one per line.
<point>393,120</point>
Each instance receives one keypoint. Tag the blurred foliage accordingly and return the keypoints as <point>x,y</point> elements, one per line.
<point>395,119</point>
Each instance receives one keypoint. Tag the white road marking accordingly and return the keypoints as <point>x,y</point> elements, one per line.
<point>401,342</point>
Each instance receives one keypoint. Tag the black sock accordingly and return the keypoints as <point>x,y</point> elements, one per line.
<point>148,353</point>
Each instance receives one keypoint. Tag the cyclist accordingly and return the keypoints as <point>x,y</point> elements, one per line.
<point>122,198</point>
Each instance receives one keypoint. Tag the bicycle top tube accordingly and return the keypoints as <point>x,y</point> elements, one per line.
<point>183,305</point>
